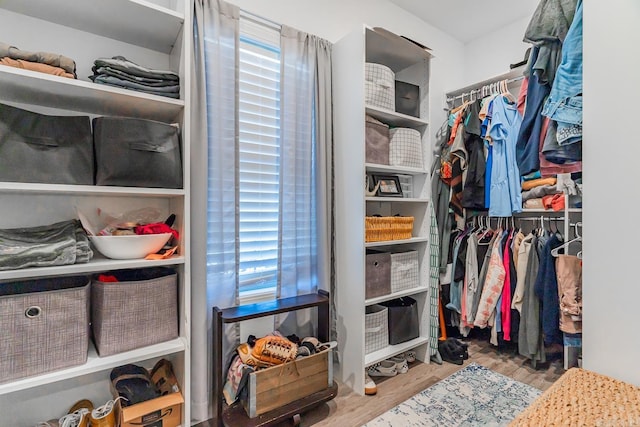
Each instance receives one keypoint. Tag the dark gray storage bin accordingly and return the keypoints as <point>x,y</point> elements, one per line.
<point>407,99</point>
<point>137,153</point>
<point>377,274</point>
<point>140,309</point>
<point>47,149</point>
<point>402,315</point>
<point>44,324</point>
<point>376,141</point>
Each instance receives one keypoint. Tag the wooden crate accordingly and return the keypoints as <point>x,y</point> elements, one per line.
<point>277,386</point>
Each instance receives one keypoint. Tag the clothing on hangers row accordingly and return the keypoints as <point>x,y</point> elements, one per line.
<point>508,280</point>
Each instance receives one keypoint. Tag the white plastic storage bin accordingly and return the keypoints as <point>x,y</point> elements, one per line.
<point>380,86</point>
<point>376,326</point>
<point>404,271</point>
<point>405,148</point>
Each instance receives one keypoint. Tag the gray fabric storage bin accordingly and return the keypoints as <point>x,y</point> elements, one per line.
<point>404,271</point>
<point>407,99</point>
<point>377,274</point>
<point>46,149</point>
<point>44,324</point>
<point>139,310</point>
<point>376,328</point>
<point>137,153</point>
<point>376,141</point>
<point>402,316</point>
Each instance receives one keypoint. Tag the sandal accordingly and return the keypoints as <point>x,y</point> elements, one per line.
<point>163,377</point>
<point>133,384</point>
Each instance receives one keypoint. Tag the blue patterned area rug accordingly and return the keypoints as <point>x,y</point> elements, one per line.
<point>473,396</point>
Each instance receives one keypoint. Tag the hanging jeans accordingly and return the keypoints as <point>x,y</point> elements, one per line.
<point>565,100</point>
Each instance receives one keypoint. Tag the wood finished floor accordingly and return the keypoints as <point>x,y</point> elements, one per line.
<point>352,410</point>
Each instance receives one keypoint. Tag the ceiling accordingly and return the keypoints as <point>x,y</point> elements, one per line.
<point>467,20</point>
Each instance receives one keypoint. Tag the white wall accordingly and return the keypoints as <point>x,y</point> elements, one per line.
<point>332,19</point>
<point>491,54</point>
<point>611,155</point>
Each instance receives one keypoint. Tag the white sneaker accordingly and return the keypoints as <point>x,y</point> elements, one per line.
<point>410,356</point>
<point>370,387</point>
<point>383,369</point>
<point>401,364</point>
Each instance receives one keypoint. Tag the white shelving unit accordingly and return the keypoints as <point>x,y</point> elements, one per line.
<point>155,34</point>
<point>410,64</point>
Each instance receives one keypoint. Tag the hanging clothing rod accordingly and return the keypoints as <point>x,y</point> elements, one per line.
<point>476,92</point>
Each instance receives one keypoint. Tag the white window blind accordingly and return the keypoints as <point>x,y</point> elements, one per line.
<point>259,156</point>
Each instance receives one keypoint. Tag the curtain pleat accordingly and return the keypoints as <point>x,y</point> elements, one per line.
<point>214,210</point>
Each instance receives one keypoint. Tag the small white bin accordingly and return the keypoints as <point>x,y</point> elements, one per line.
<point>376,326</point>
<point>380,86</point>
<point>405,148</point>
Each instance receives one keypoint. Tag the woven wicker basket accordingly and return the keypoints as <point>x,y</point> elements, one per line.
<point>378,229</point>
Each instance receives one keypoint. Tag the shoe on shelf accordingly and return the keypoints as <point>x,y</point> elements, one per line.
<point>370,387</point>
<point>78,418</point>
<point>410,356</point>
<point>382,369</point>
<point>104,416</point>
<point>401,364</point>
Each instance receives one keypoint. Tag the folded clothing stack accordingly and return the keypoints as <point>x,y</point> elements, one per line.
<point>120,72</point>
<point>43,62</point>
<point>61,243</point>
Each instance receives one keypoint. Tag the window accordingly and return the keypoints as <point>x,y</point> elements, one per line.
<point>259,154</point>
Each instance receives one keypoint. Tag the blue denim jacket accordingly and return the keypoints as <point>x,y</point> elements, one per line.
<point>565,101</point>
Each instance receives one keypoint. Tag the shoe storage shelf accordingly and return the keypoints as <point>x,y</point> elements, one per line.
<point>236,415</point>
<point>155,34</point>
<point>353,100</point>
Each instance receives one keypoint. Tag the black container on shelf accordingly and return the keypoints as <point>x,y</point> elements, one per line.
<point>407,99</point>
<point>403,319</point>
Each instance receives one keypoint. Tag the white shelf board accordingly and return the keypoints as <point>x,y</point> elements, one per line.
<point>396,242</point>
<point>87,190</point>
<point>31,87</point>
<point>387,352</point>
<point>136,22</point>
<point>95,265</point>
<point>539,211</point>
<point>372,167</point>
<point>396,199</point>
<point>394,118</point>
<point>511,74</point>
<point>96,363</point>
<point>394,295</point>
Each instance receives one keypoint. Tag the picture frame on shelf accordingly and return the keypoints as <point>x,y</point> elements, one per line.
<point>389,185</point>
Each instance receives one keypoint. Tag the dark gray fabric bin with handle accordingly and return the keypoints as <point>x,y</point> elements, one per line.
<point>407,99</point>
<point>47,149</point>
<point>377,274</point>
<point>44,324</point>
<point>403,321</point>
<point>140,309</point>
<point>137,153</point>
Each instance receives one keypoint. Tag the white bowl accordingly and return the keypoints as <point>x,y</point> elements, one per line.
<point>129,246</point>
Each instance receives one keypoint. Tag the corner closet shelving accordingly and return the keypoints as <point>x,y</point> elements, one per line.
<point>155,34</point>
<point>410,63</point>
<point>569,218</point>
